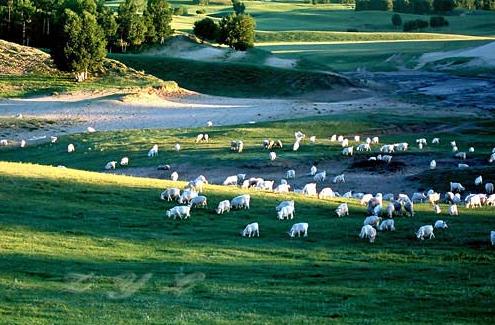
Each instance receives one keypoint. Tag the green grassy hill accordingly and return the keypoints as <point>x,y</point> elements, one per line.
<point>91,248</point>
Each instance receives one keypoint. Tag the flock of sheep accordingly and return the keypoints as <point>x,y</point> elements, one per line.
<point>397,204</point>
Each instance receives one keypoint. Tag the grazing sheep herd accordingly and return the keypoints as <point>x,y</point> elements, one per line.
<point>399,204</point>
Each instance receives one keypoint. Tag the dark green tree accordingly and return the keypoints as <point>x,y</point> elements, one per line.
<point>132,25</point>
<point>24,11</point>
<point>237,31</point>
<point>396,20</point>
<point>160,15</point>
<point>444,5</point>
<point>108,23</point>
<point>206,29</point>
<point>239,7</point>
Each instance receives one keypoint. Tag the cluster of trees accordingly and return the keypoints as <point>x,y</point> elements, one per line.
<point>423,6</point>
<point>418,24</point>
<point>235,30</point>
<point>79,32</point>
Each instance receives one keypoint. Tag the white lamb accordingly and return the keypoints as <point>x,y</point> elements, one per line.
<point>471,149</point>
<point>320,177</point>
<point>91,129</point>
<point>489,188</point>
<point>313,170</point>
<point>110,165</point>
<point>456,187</point>
<point>366,198</point>
<point>440,224</point>
<point>286,212</point>
<point>425,232</point>
<point>453,210</point>
<point>309,189</point>
<point>363,147</point>
<point>418,197</point>
<point>326,193</point>
<point>282,188</point>
<point>312,139</point>
<point>433,197</point>
<point>170,194</point>
<point>223,206</point>
<point>177,147</point>
<point>299,228</point>
<point>272,155</point>
<point>435,141</point>
<point>461,155</point>
<point>433,164</point>
<point>187,196</point>
<point>124,161</point>
<point>372,221</point>
<point>387,225</point>
<point>342,210</point>
<point>375,140</point>
<point>284,204</point>
<point>251,230</point>
<point>153,151</point>
<point>231,180</point>
<point>199,201</point>
<point>339,179</point>
<point>291,173</point>
<point>296,146</point>
<point>348,151</point>
<point>299,136</point>
<point>5,142</point>
<point>345,143</point>
<point>368,231</point>
<point>71,148</point>
<point>241,202</point>
<point>180,211</point>
<point>437,209</point>
<point>473,201</point>
<point>478,180</point>
<point>462,166</point>
<point>174,176</point>
<point>23,143</point>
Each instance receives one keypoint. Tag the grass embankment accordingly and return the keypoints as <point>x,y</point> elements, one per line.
<point>93,151</point>
<point>26,71</point>
<point>91,248</point>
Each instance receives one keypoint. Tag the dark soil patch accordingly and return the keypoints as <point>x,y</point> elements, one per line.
<point>379,166</point>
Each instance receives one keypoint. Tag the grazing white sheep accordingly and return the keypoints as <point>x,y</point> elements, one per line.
<point>453,210</point>
<point>471,149</point>
<point>422,141</point>
<point>418,197</point>
<point>91,129</point>
<point>420,146</point>
<point>223,206</point>
<point>377,210</point>
<point>339,179</point>
<point>209,124</point>
<point>23,143</point>
<point>365,199</point>
<point>231,180</point>
<point>435,141</point>
<point>461,155</point>
<point>177,147</point>
<point>299,136</point>
<point>180,211</point>
<point>340,138</point>
<point>455,149</point>
<point>333,138</point>
<point>357,138</point>
<point>313,170</point>
<point>241,202</point>
<point>286,212</point>
<point>174,176</point>
<point>284,204</point>
<point>387,225</point>
<point>309,189</point>
<point>196,185</point>
<point>348,151</point>
<point>403,146</point>
<point>326,193</point>
<point>490,201</point>
<point>425,232</point>
<point>489,188</point>
<point>409,207</point>
<point>473,201</point>
<point>342,210</point>
<point>187,196</point>
<point>363,147</point>
<point>433,197</point>
<point>291,173</point>
<point>272,155</point>
<point>202,137</point>
<point>296,145</point>
<point>153,151</point>
<point>433,164</point>
<point>492,237</point>
<point>462,166</point>
<point>124,161</point>
<point>251,230</point>
<point>240,177</point>
<point>388,196</point>
<point>372,159</point>
<point>347,195</point>
<point>320,177</point>
<point>375,140</point>
<point>236,146</point>
<point>478,181</point>
<point>170,194</point>
<point>110,165</point>
<point>437,209</point>
<point>368,140</point>
<point>265,185</point>
<point>298,229</point>
<point>282,188</point>
<point>4,142</point>
<point>372,221</point>
<point>71,148</point>
<point>456,187</point>
<point>390,210</point>
<point>387,148</point>
<point>199,201</point>
<point>453,144</point>
<point>369,232</point>
<point>440,224</point>
<point>345,143</point>
<point>385,158</point>
<point>312,139</point>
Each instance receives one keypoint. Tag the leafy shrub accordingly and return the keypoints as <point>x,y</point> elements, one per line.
<point>438,21</point>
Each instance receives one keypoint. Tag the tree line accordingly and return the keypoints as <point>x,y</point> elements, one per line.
<point>423,6</point>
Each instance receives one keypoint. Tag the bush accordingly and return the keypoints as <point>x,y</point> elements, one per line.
<point>201,11</point>
<point>444,5</point>
<point>422,6</point>
<point>206,29</point>
<point>181,11</point>
<point>237,31</point>
<point>383,5</point>
<point>438,21</point>
<point>412,25</point>
<point>396,20</point>
<point>352,30</point>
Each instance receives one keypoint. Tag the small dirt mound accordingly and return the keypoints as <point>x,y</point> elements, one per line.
<point>379,166</point>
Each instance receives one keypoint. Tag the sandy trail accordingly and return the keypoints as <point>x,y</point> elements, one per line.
<point>107,111</point>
